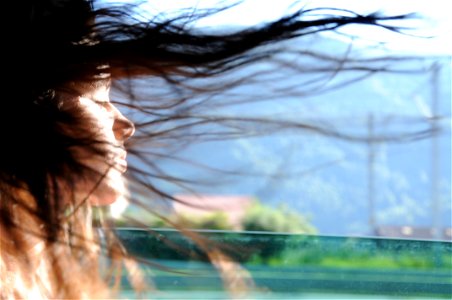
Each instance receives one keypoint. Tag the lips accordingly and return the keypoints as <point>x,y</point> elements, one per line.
<point>122,155</point>
<point>121,163</point>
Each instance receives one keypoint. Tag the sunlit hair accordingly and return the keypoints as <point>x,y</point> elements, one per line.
<point>49,248</point>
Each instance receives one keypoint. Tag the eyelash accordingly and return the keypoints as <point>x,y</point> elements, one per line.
<point>104,105</point>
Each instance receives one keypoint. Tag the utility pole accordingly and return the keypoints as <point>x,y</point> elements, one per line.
<point>435,167</point>
<point>371,174</point>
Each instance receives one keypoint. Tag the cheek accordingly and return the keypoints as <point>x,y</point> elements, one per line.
<point>98,119</point>
<point>99,122</point>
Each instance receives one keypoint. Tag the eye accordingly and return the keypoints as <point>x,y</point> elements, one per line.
<point>104,105</point>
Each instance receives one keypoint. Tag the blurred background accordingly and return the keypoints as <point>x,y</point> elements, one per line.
<point>384,169</point>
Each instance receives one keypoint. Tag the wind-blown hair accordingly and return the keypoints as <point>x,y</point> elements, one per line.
<point>47,240</point>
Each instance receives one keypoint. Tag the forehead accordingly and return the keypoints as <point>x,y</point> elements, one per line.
<point>97,90</point>
<point>87,86</point>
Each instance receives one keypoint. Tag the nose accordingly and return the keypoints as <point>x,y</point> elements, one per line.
<point>123,128</point>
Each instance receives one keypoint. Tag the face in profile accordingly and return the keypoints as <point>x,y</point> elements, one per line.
<point>110,129</point>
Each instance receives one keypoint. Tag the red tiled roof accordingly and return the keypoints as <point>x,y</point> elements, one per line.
<point>234,206</point>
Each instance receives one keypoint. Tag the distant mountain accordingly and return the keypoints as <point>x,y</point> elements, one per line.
<point>328,177</point>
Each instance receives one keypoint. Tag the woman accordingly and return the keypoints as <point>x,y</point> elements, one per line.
<point>64,140</point>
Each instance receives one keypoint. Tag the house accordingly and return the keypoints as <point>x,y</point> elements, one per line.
<point>234,206</point>
<point>412,232</point>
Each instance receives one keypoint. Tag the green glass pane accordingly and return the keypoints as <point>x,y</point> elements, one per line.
<point>284,266</point>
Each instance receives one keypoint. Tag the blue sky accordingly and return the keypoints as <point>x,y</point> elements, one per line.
<point>434,21</point>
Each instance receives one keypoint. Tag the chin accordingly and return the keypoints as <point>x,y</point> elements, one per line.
<point>111,190</point>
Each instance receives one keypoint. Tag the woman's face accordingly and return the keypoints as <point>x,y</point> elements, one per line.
<point>110,129</point>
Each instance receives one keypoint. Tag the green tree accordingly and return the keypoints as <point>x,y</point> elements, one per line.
<point>261,217</point>
<point>216,220</point>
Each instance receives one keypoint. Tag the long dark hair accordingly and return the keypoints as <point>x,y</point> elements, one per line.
<point>78,41</point>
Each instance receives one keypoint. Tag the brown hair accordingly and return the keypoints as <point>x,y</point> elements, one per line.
<point>47,240</point>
